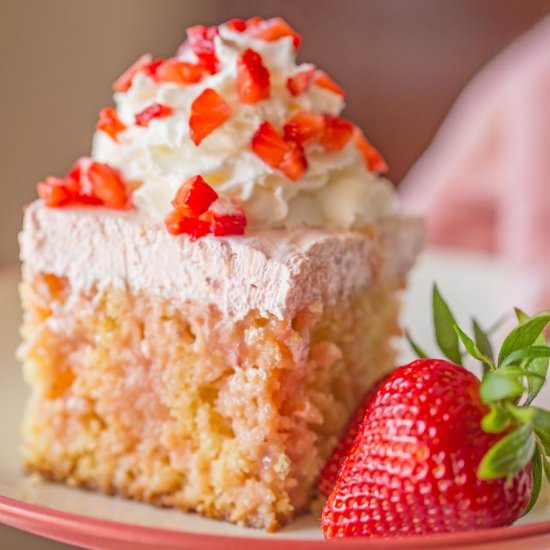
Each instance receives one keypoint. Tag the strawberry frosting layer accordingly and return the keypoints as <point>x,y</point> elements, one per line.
<point>336,191</point>
<point>275,272</point>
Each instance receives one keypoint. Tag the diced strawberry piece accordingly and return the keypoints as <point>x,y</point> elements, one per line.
<point>152,68</point>
<point>336,134</point>
<point>269,145</point>
<point>304,127</point>
<point>274,150</point>
<point>228,224</point>
<point>374,161</point>
<point>201,41</point>
<point>195,194</point>
<point>238,25</point>
<point>156,110</point>
<point>56,192</point>
<point>110,123</point>
<point>323,80</point>
<point>181,221</point>
<point>107,185</point>
<point>253,80</point>
<point>254,21</point>
<point>300,82</point>
<point>274,29</point>
<point>208,111</point>
<point>294,163</point>
<point>180,72</point>
<point>123,82</point>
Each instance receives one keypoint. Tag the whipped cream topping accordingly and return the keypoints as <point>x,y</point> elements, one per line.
<point>337,190</point>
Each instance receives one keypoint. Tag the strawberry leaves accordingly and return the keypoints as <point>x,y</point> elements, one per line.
<point>444,323</point>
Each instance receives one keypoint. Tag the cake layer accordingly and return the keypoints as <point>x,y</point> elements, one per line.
<point>273,272</point>
<point>131,396</point>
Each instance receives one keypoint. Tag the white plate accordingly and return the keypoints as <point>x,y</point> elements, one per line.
<point>472,285</point>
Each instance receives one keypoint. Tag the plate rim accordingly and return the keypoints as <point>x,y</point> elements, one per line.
<point>91,532</point>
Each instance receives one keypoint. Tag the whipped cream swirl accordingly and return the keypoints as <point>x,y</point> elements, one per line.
<point>337,190</point>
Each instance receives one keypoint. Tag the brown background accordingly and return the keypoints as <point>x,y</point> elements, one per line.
<point>403,63</point>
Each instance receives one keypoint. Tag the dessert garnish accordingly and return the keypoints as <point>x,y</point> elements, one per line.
<point>235,106</point>
<point>110,123</point>
<point>199,211</point>
<point>438,450</point>
<point>156,110</point>
<point>88,182</point>
<point>208,111</point>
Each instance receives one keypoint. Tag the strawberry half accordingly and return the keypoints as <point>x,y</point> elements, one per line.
<point>285,155</point>
<point>156,110</point>
<point>110,123</point>
<point>274,29</point>
<point>329,473</point>
<point>196,195</point>
<point>336,133</point>
<point>179,72</point>
<point>300,82</point>
<point>304,127</point>
<point>124,81</point>
<point>323,80</point>
<point>374,161</point>
<point>238,25</point>
<point>208,111</point>
<point>253,80</point>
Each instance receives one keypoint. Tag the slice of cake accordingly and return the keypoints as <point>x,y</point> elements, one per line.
<point>208,296</point>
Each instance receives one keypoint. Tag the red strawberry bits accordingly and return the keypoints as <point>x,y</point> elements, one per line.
<point>198,211</point>
<point>123,83</point>
<point>300,82</point>
<point>156,110</point>
<point>274,29</point>
<point>337,132</point>
<point>253,80</point>
<point>374,161</point>
<point>110,123</point>
<point>88,182</point>
<point>208,111</point>
<point>278,152</point>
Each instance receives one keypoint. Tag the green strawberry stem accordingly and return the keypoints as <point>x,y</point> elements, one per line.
<point>512,379</point>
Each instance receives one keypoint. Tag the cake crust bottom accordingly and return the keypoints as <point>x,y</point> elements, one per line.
<point>169,405</point>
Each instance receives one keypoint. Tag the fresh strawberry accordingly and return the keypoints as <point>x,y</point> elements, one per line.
<point>300,82</point>
<point>151,68</point>
<point>196,195</point>
<point>412,468</point>
<point>330,471</point>
<point>438,451</point>
<point>200,39</point>
<point>304,127</point>
<point>181,221</point>
<point>123,83</point>
<point>323,80</point>
<point>274,29</point>
<point>253,80</point>
<point>56,192</point>
<point>107,185</point>
<point>110,123</point>
<point>285,155</point>
<point>336,133</point>
<point>208,111</point>
<point>156,110</point>
<point>180,72</point>
<point>374,161</point>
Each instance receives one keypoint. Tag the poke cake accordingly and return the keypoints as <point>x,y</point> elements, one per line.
<point>210,293</point>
